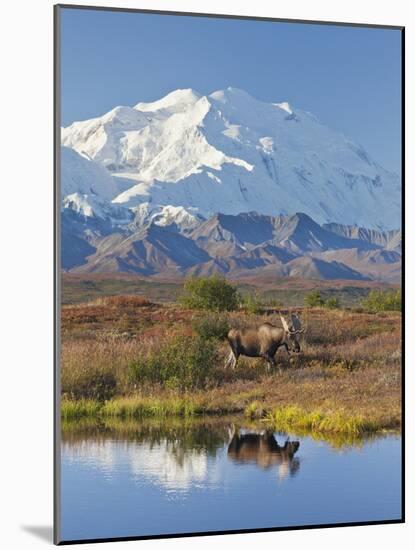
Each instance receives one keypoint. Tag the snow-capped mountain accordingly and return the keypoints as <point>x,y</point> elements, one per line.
<point>184,220</point>
<point>88,188</point>
<point>191,155</point>
<point>224,183</point>
<point>80,175</point>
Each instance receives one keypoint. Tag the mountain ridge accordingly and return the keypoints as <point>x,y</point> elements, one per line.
<point>246,244</point>
<point>231,153</point>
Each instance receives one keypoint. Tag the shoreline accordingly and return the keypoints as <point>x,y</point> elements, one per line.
<point>289,417</point>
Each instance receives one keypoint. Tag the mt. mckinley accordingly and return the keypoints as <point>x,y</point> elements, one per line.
<point>157,171</point>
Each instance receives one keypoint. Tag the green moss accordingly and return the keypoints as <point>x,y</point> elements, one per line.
<point>138,407</point>
<point>293,417</point>
<point>73,409</point>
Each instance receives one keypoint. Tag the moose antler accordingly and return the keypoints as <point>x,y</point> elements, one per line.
<point>296,323</point>
<point>284,324</point>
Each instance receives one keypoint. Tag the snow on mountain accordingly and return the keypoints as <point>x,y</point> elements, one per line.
<point>83,205</point>
<point>90,206</point>
<point>174,102</point>
<point>87,189</point>
<point>179,216</point>
<point>230,153</point>
<point>184,220</point>
<point>84,176</point>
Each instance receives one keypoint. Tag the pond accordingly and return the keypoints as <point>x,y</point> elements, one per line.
<point>121,479</point>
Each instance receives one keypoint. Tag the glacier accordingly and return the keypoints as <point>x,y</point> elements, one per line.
<point>191,155</point>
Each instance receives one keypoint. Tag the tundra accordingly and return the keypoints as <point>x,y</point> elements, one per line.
<point>265,341</point>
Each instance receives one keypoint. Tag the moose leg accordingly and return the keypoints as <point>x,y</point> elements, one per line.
<point>232,359</point>
<point>279,367</point>
<point>270,360</point>
<point>274,363</point>
<point>287,348</point>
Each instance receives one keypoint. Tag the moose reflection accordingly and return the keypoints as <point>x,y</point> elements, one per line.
<point>263,449</point>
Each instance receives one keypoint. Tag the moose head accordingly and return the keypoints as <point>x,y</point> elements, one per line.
<point>292,329</point>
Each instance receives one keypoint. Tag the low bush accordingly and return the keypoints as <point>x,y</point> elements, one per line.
<point>210,293</point>
<point>212,326</point>
<point>313,299</point>
<point>252,304</point>
<point>383,300</point>
<point>89,383</point>
<point>183,362</point>
<point>332,303</point>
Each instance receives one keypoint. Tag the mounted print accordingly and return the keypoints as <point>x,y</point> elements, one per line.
<point>228,274</point>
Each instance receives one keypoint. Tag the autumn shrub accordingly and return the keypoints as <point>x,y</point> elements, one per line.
<point>252,304</point>
<point>331,303</point>
<point>211,326</point>
<point>313,299</point>
<point>210,293</point>
<point>182,362</point>
<point>89,383</point>
<point>383,300</point>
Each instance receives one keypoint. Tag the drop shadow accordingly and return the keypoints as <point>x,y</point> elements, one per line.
<point>43,532</point>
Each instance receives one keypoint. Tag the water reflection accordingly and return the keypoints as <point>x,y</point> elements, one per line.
<point>175,454</point>
<point>263,450</point>
<point>122,478</point>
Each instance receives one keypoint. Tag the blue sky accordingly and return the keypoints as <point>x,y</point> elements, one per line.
<point>349,77</point>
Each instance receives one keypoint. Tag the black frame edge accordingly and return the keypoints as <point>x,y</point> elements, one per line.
<point>232,532</point>
<point>227,16</point>
<point>403,214</point>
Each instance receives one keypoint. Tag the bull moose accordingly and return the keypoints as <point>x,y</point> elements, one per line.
<point>263,450</point>
<point>265,340</point>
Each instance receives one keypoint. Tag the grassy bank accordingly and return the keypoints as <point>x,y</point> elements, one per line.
<point>129,358</point>
<point>315,398</point>
<point>289,418</point>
